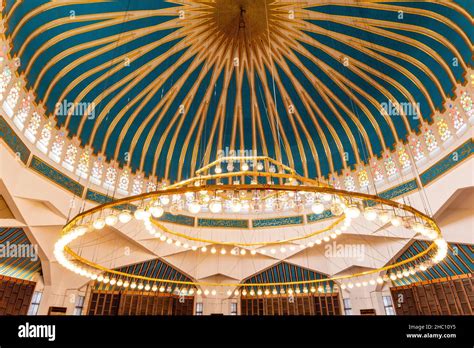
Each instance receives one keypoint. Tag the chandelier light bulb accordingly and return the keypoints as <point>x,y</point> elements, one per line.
<point>396,221</point>
<point>139,214</point>
<point>204,249</point>
<point>213,250</point>
<point>111,219</point>
<point>245,166</point>
<point>156,211</point>
<point>370,214</point>
<point>99,224</point>
<point>215,206</point>
<point>194,207</point>
<point>165,200</point>
<point>236,206</point>
<point>337,209</point>
<point>317,207</point>
<point>223,251</point>
<point>353,212</point>
<point>259,166</point>
<point>125,216</point>
<point>218,170</point>
<point>243,251</point>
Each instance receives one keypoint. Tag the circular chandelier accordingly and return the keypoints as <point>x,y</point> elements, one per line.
<point>247,186</point>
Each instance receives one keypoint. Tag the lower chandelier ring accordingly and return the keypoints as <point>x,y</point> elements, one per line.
<point>430,248</point>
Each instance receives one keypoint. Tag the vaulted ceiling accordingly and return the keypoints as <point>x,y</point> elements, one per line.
<point>170,83</point>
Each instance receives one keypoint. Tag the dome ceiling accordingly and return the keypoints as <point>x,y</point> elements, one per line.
<point>170,83</point>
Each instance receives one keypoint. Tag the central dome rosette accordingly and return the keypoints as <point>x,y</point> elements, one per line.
<point>245,20</point>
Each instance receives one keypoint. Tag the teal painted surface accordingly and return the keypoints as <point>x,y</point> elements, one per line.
<point>97,197</point>
<point>178,219</point>
<point>448,162</point>
<point>318,217</point>
<point>155,268</point>
<point>284,272</point>
<point>18,257</point>
<point>226,223</point>
<point>400,190</point>
<point>13,141</point>
<point>274,222</point>
<point>56,176</point>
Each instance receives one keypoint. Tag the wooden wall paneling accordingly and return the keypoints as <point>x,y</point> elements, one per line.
<point>15,295</point>
<point>432,299</point>
<point>442,299</point>
<point>468,288</point>
<point>456,299</point>
<point>446,296</point>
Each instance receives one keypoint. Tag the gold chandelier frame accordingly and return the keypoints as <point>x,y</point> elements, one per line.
<point>199,183</point>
